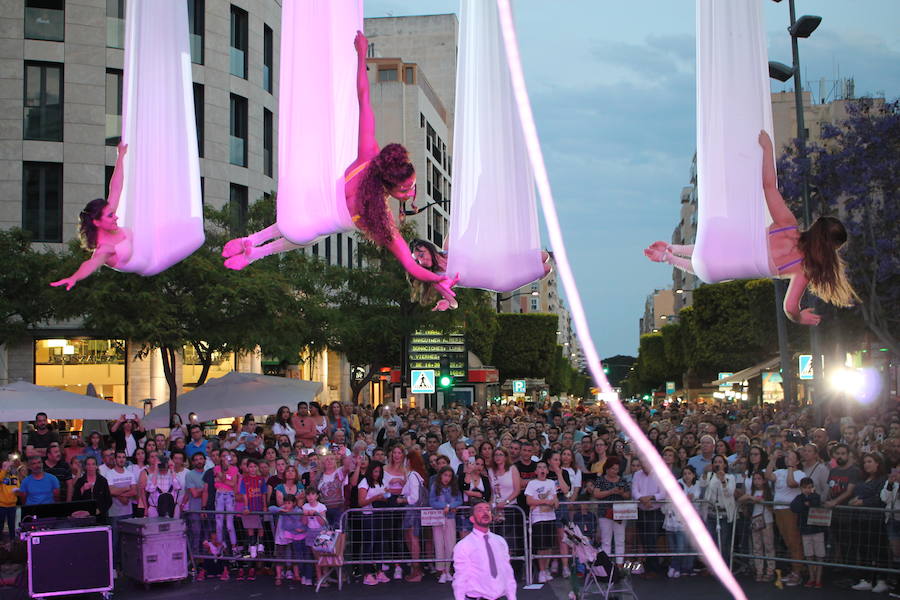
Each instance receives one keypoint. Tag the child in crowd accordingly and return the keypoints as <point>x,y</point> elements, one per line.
<point>9,483</point>
<point>314,514</point>
<point>762,533</point>
<point>253,499</point>
<point>289,530</point>
<point>213,566</point>
<point>227,479</point>
<point>813,535</point>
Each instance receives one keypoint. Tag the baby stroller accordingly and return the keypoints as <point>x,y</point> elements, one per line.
<point>601,575</point>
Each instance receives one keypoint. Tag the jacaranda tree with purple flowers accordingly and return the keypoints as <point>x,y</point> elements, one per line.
<point>854,174</point>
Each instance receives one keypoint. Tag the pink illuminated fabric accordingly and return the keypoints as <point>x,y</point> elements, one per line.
<point>695,526</point>
<point>733,105</point>
<point>494,240</point>
<point>161,202</point>
<point>318,116</point>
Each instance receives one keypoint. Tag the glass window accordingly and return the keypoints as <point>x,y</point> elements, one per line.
<point>45,20</point>
<point>195,29</point>
<point>339,244</point>
<point>42,200</point>
<point>115,23</point>
<point>113,106</point>
<point>73,364</point>
<point>387,74</point>
<point>268,142</point>
<point>199,114</point>
<point>349,251</point>
<point>238,150</point>
<point>238,205</point>
<point>328,250</point>
<point>409,75</point>
<point>239,46</point>
<point>43,101</point>
<point>268,57</point>
<point>535,304</point>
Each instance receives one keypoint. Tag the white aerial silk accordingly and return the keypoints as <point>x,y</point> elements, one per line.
<point>494,241</point>
<point>318,116</point>
<point>695,527</point>
<point>733,105</point>
<point>161,201</point>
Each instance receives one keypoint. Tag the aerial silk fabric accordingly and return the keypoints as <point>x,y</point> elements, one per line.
<point>733,105</point>
<point>695,527</point>
<point>161,202</point>
<point>318,116</point>
<point>494,241</point>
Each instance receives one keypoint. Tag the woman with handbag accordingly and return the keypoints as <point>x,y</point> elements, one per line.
<point>611,487</point>
<point>762,532</point>
<point>719,486</point>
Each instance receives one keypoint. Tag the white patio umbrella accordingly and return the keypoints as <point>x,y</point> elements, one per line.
<point>234,395</point>
<point>21,400</point>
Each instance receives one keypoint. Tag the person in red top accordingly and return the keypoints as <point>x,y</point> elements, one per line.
<point>253,498</point>
<point>304,426</point>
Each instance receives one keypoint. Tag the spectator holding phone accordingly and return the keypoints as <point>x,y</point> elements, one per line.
<point>785,474</point>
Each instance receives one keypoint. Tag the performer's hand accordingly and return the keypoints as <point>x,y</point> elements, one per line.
<point>764,140</point>
<point>122,148</point>
<point>361,43</point>
<point>809,317</point>
<point>69,282</point>
<point>441,305</point>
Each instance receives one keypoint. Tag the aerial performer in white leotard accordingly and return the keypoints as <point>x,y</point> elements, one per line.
<point>809,258</point>
<point>99,230</point>
<point>376,176</point>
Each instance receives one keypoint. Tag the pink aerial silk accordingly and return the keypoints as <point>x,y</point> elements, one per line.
<point>318,116</point>
<point>494,242</point>
<point>733,104</point>
<point>161,201</point>
<point>696,528</point>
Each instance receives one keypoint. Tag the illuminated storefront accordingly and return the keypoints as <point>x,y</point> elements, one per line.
<point>73,364</point>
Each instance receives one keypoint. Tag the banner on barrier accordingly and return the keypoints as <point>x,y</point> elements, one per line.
<point>820,517</point>
<point>625,511</point>
<point>433,517</point>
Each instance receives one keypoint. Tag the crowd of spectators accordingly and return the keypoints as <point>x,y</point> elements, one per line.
<point>763,474</point>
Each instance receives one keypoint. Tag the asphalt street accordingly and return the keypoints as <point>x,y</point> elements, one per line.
<point>694,588</point>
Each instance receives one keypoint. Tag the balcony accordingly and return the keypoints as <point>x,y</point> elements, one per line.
<point>45,24</point>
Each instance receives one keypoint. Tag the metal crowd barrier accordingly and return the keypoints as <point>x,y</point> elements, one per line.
<point>853,537</point>
<point>642,532</point>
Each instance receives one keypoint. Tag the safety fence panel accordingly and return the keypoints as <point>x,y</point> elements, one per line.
<point>862,538</point>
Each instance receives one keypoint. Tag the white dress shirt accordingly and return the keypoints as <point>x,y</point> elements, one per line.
<point>646,484</point>
<point>472,568</point>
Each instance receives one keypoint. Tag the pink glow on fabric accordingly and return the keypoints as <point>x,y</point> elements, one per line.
<point>161,200</point>
<point>733,104</point>
<point>318,116</point>
<point>696,527</point>
<point>494,241</point>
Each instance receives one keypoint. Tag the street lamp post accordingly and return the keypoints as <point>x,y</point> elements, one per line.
<point>799,28</point>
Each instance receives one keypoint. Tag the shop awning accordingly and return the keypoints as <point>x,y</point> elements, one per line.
<point>748,373</point>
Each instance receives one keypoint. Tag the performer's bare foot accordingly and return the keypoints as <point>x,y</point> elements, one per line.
<point>238,261</point>
<point>235,246</point>
<point>657,251</point>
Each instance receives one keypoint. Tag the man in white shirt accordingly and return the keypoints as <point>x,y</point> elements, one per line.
<point>448,448</point>
<point>481,562</point>
<point>123,489</point>
<point>648,491</point>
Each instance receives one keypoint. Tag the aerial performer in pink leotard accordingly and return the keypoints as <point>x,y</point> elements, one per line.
<point>809,258</point>
<point>369,182</point>
<point>99,230</point>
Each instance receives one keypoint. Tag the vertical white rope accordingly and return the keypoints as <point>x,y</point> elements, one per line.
<point>696,527</point>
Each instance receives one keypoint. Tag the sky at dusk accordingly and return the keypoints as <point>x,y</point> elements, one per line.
<point>612,89</point>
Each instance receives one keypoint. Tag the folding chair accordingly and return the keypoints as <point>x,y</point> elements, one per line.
<point>604,577</point>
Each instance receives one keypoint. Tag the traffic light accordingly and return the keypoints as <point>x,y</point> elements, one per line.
<point>445,379</point>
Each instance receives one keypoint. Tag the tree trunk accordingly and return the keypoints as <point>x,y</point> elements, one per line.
<point>357,386</point>
<point>168,361</point>
<point>205,361</point>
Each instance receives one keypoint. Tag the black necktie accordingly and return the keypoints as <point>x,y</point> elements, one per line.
<point>490,554</point>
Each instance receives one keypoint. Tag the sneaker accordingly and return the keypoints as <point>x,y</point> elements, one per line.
<point>398,572</point>
<point>881,587</point>
<point>792,580</point>
<point>382,578</point>
<point>201,575</point>
<point>809,584</point>
<point>224,576</point>
<point>442,578</point>
<point>566,573</point>
<point>306,581</point>
<point>252,552</point>
<point>862,586</point>
<point>370,580</point>
<point>554,567</point>
<point>288,575</point>
<point>544,576</point>
<point>260,549</point>
<point>670,573</point>
<point>251,576</point>
<point>240,575</point>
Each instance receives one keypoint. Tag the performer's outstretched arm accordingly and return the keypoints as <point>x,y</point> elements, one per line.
<point>368,147</point>
<point>118,179</point>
